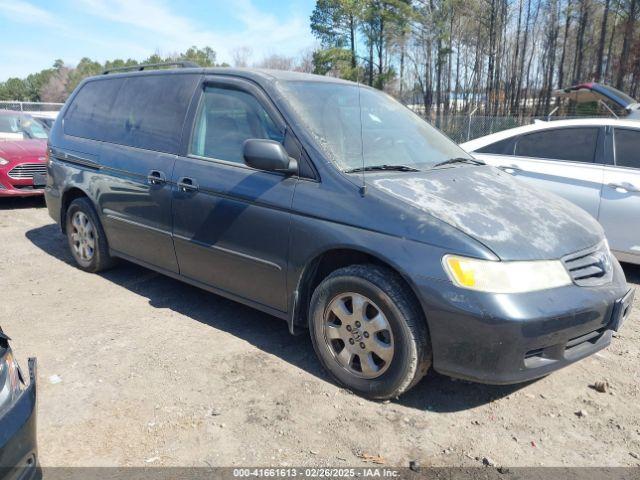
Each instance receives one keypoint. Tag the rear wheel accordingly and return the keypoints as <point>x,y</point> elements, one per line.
<point>86,238</point>
<point>368,331</point>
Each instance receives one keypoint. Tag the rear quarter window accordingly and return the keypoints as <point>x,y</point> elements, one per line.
<point>90,110</point>
<point>502,147</point>
<point>138,111</point>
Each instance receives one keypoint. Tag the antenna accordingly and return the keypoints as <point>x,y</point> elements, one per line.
<point>363,187</point>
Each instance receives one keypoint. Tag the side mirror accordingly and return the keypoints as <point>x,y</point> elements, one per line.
<point>268,155</point>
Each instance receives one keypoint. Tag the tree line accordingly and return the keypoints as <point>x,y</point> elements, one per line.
<point>55,84</point>
<point>503,57</point>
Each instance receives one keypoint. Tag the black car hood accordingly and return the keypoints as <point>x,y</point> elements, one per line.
<point>513,220</point>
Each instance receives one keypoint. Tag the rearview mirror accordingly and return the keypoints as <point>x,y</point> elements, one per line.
<point>268,155</point>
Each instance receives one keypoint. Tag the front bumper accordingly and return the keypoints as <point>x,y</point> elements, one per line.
<point>18,187</point>
<point>18,444</point>
<point>512,338</point>
<point>21,192</point>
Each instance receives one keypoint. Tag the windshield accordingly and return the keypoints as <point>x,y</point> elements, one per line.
<point>19,127</point>
<point>391,134</point>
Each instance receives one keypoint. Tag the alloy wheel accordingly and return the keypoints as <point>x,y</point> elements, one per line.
<point>83,237</point>
<point>358,335</point>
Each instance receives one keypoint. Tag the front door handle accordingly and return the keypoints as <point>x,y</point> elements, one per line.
<point>187,184</point>
<point>627,187</point>
<point>156,177</point>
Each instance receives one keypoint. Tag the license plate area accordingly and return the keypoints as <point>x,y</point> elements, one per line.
<point>622,310</point>
<point>39,180</point>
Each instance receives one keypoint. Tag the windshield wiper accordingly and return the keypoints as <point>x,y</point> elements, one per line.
<point>472,161</point>
<point>374,168</point>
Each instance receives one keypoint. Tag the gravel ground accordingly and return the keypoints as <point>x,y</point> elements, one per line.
<point>138,369</point>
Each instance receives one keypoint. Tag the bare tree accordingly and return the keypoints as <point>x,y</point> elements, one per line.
<point>56,88</point>
<point>240,56</point>
<point>276,62</point>
<point>629,30</point>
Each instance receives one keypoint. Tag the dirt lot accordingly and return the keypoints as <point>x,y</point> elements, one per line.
<point>139,369</point>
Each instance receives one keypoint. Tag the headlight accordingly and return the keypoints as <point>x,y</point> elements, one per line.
<point>505,277</point>
<point>11,383</point>
<point>3,161</point>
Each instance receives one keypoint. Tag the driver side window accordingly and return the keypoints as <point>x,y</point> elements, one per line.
<point>225,119</point>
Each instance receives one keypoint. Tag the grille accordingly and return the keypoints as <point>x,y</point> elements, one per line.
<point>590,267</point>
<point>572,349</point>
<point>27,170</point>
<point>591,337</point>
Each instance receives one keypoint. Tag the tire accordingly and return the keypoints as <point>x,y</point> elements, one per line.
<point>389,319</point>
<point>86,238</point>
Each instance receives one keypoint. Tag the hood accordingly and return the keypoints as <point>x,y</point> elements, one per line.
<point>16,149</point>
<point>513,220</point>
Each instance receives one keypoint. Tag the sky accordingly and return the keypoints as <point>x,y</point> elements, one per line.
<point>35,33</point>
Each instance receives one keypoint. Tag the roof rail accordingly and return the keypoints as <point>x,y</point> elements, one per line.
<point>139,68</point>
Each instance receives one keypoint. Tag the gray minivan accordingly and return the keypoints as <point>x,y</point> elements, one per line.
<point>333,207</point>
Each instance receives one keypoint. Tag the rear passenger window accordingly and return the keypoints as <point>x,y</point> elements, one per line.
<point>226,118</point>
<point>627,148</point>
<point>140,111</point>
<point>150,110</point>
<point>571,144</point>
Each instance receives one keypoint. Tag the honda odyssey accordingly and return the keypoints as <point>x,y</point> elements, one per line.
<point>333,207</point>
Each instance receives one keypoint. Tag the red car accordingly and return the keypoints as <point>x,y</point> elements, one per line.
<point>23,146</point>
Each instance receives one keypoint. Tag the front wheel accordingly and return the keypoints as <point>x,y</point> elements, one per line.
<point>369,332</point>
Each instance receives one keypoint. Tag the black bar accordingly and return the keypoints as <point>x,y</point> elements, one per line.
<point>139,68</point>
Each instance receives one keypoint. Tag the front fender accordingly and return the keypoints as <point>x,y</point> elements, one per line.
<point>311,239</point>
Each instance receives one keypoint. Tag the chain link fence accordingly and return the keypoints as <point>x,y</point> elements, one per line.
<point>462,128</point>
<point>30,106</point>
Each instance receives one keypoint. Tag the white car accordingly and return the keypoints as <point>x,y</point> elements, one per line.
<point>46,118</point>
<point>594,163</point>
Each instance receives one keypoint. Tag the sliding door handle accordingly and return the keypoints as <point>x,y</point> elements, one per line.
<point>156,177</point>
<point>187,184</point>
